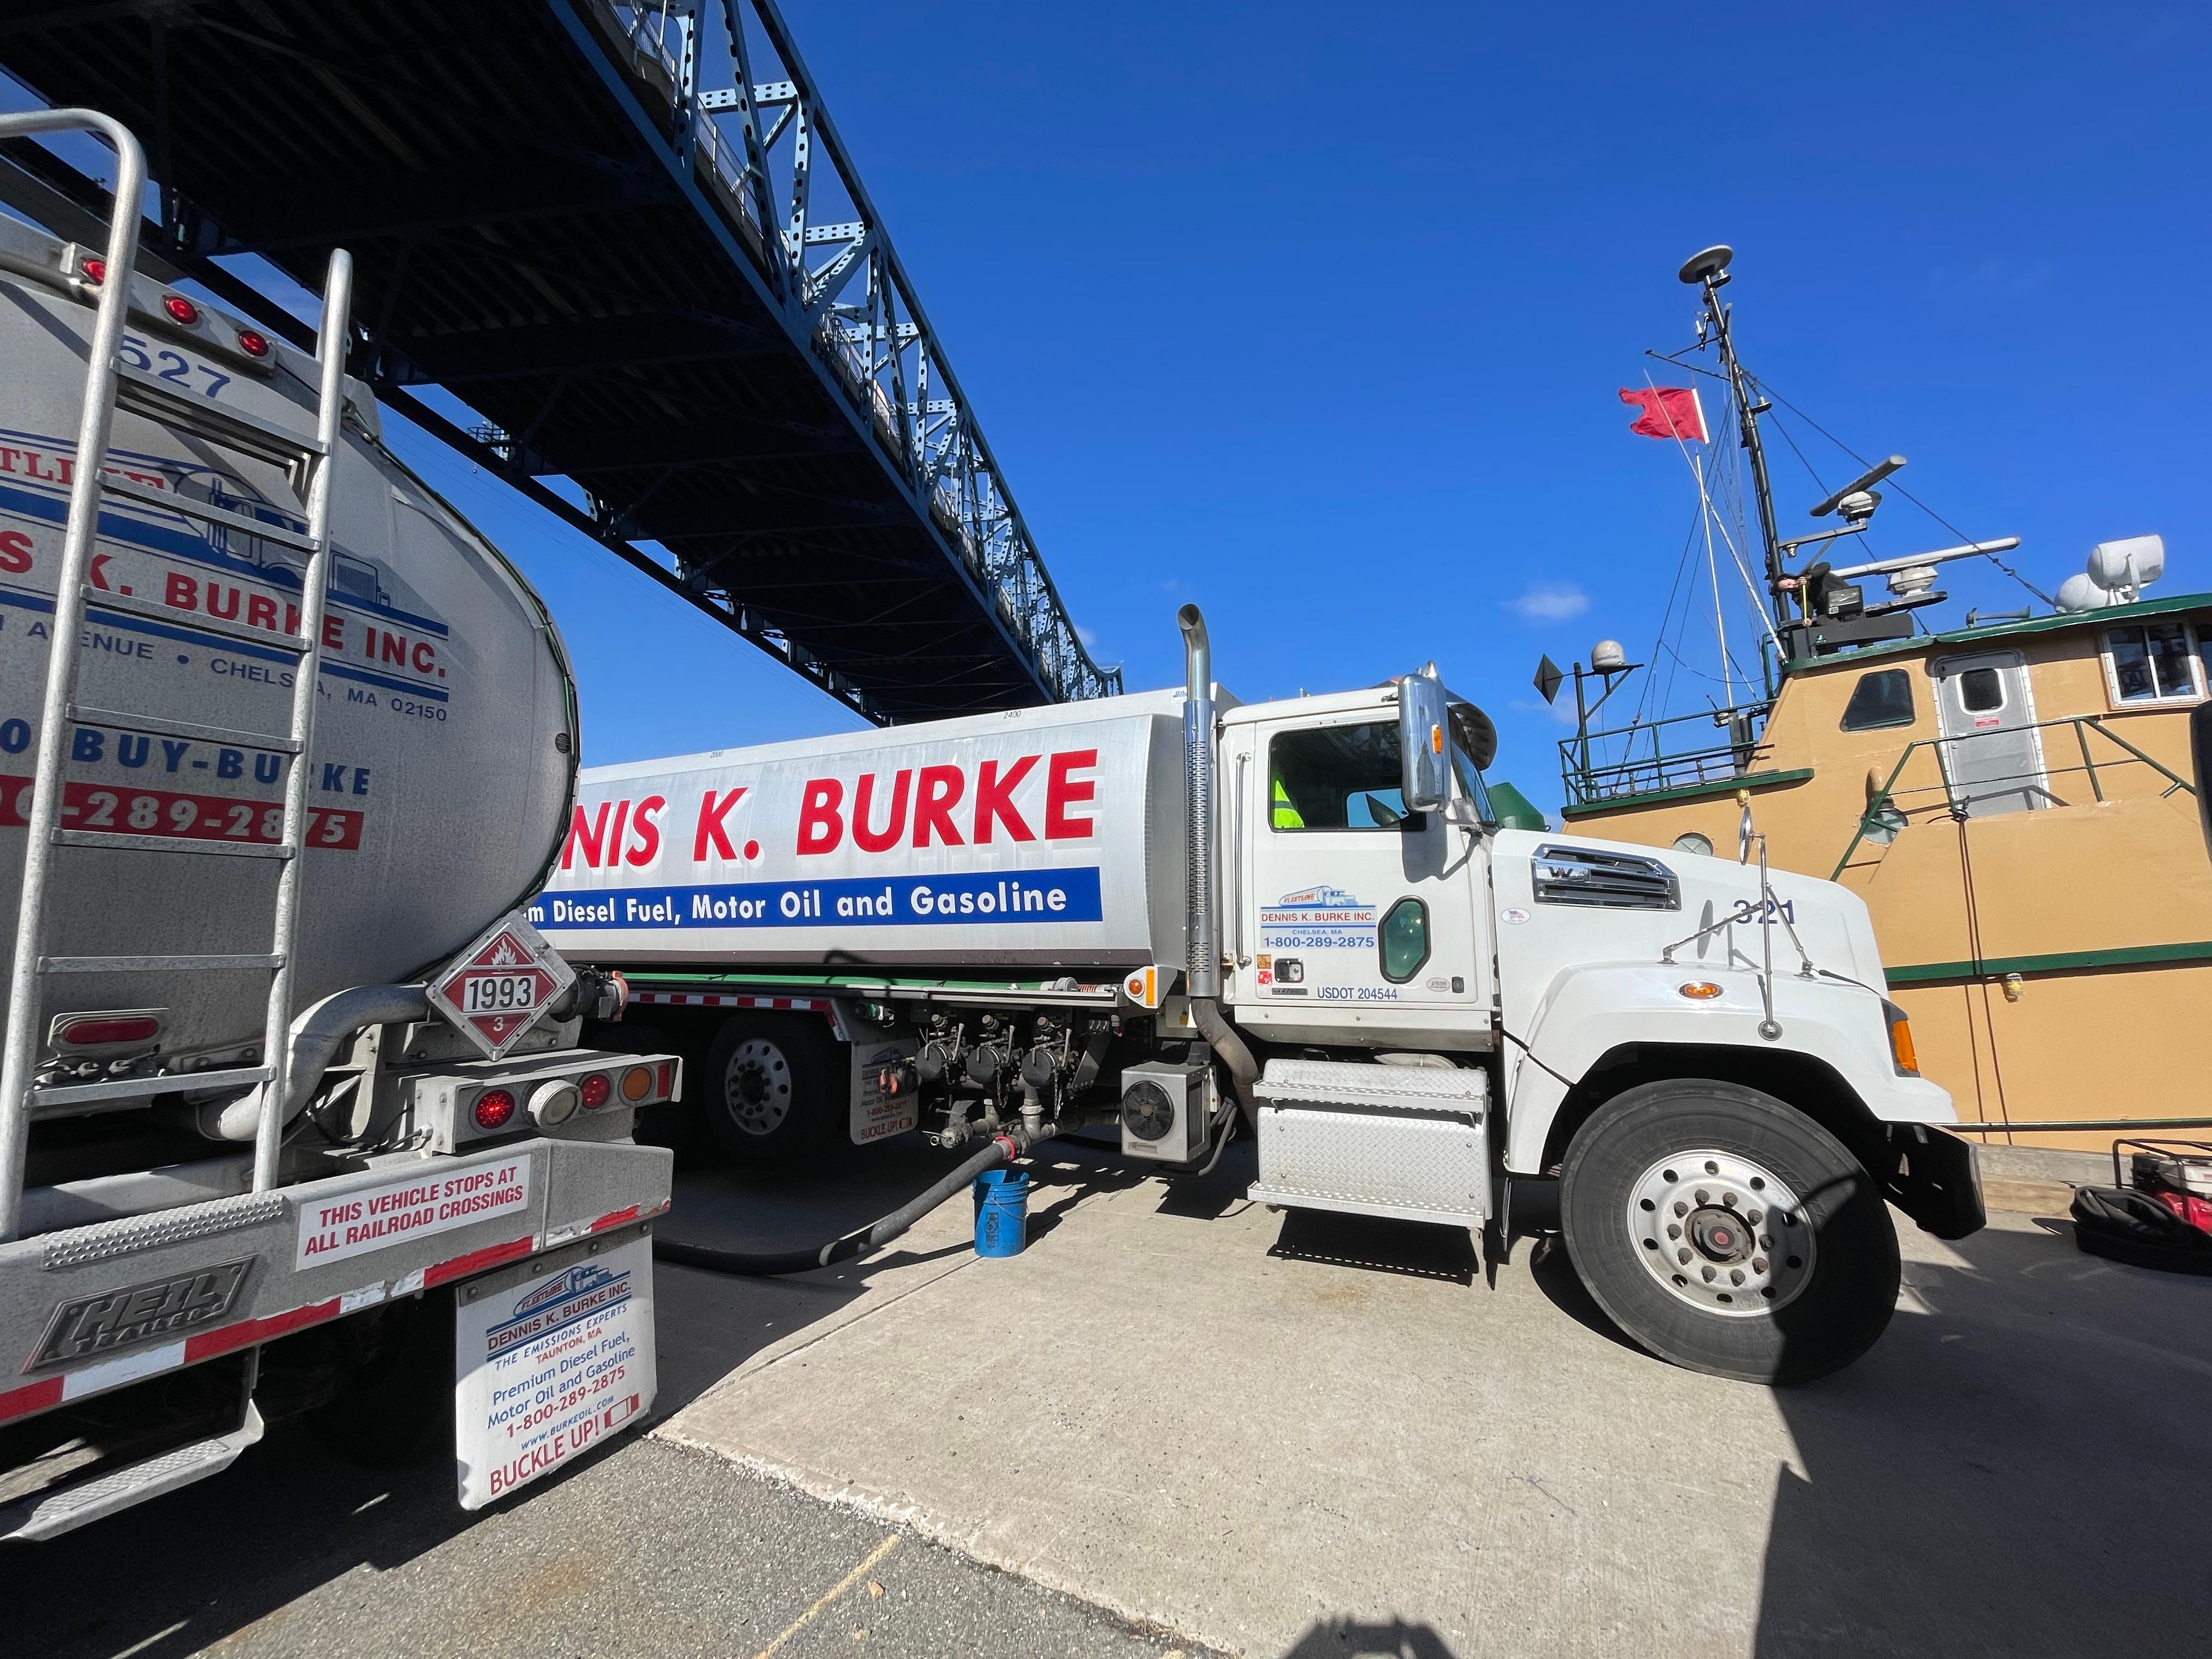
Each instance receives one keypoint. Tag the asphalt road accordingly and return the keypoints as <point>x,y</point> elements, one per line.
<point>643,1549</point>
<point>648,1549</point>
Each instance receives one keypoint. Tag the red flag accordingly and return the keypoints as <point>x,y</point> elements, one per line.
<point>1669,411</point>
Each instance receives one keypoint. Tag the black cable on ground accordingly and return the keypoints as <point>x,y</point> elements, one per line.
<point>769,1263</point>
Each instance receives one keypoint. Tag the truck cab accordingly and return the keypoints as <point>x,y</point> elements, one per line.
<point>1350,915</point>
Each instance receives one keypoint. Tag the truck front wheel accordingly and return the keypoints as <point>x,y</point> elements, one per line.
<point>773,1090</point>
<point>1727,1232</point>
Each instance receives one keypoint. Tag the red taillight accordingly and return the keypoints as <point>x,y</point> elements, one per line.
<point>253,344</point>
<point>95,271</point>
<point>493,1108</point>
<point>595,1091</point>
<point>181,308</point>
<point>98,1033</point>
<point>666,1081</point>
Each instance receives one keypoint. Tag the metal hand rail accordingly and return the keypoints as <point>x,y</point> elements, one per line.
<point>1871,819</point>
<point>1589,780</point>
<point>45,814</point>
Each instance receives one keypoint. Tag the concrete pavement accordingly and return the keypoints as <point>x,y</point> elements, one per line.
<point>1179,1418</point>
<point>1245,1426</point>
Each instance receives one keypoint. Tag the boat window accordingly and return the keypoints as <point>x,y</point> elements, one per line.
<point>2151,662</point>
<point>1336,777</point>
<point>1981,690</point>
<point>1880,699</point>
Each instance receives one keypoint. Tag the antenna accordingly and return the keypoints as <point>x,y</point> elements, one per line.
<point>1706,263</point>
<point>1862,484</point>
<point>1708,268</point>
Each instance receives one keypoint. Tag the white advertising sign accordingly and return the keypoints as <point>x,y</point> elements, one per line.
<point>1053,835</point>
<point>415,1206</point>
<point>548,1365</point>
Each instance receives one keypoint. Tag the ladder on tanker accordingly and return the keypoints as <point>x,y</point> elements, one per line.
<point>306,461</point>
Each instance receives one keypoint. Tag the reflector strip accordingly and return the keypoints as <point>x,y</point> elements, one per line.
<point>32,1397</point>
<point>613,1219</point>
<point>475,1262</point>
<point>717,1000</point>
<point>124,1367</point>
<point>247,1332</point>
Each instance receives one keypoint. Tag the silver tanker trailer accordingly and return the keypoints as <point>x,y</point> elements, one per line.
<point>292,1107</point>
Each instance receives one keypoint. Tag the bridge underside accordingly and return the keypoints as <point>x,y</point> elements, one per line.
<point>532,233</point>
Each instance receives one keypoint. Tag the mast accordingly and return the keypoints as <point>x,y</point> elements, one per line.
<point>1708,270</point>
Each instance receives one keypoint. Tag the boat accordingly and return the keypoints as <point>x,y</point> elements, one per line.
<point>2019,798</point>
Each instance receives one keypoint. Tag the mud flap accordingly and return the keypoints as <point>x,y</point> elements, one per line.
<point>550,1356</point>
<point>1936,1178</point>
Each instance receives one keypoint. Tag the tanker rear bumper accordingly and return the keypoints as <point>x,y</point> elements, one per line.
<point>93,1309</point>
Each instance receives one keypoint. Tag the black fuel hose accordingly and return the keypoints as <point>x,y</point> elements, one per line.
<point>768,1263</point>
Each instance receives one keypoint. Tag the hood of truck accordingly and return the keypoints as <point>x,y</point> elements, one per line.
<point>1636,901</point>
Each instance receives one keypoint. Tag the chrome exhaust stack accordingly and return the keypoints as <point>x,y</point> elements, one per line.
<point>1202,954</point>
<point>1203,932</point>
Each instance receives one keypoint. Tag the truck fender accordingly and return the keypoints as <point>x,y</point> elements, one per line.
<point>1587,1011</point>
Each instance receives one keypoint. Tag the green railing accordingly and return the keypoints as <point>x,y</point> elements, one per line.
<point>1651,755</point>
<point>1872,821</point>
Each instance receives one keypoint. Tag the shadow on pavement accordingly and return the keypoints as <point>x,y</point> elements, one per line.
<point>2013,1470</point>
<point>2019,1470</point>
<point>1417,1250</point>
<point>186,1570</point>
<point>1365,1638</point>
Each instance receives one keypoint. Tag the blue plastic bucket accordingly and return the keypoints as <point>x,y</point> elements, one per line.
<point>1002,1212</point>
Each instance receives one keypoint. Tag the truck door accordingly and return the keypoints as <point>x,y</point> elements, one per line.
<point>1359,912</point>
<point>1992,753</point>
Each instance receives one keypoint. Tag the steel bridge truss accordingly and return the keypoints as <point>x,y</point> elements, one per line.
<point>677,400</point>
<point>770,144</point>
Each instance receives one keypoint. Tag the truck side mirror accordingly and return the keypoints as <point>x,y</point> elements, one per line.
<point>1424,744</point>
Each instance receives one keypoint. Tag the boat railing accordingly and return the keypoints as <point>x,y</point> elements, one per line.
<point>1682,751</point>
<point>1892,808</point>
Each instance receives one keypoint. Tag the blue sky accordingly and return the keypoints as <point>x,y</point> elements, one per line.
<point>1316,315</point>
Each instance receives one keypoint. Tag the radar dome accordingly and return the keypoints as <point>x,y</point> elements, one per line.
<point>2131,562</point>
<point>2082,593</point>
<point>1608,655</point>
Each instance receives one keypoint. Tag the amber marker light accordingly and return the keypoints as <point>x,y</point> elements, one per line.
<point>1698,990</point>
<point>1901,1052</point>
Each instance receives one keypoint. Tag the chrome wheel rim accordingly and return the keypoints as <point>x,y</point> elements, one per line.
<point>1721,1232</point>
<point>757,1086</point>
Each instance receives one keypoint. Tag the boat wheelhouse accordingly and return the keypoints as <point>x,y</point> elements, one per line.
<point>2021,803</point>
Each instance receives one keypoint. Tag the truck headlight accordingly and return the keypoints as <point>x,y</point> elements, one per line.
<point>1901,1053</point>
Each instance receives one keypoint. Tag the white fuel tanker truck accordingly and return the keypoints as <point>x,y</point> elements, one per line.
<point>1189,915</point>
<point>292,1112</point>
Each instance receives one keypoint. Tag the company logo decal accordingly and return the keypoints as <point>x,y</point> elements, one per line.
<point>86,1325</point>
<point>1316,919</point>
<point>586,1290</point>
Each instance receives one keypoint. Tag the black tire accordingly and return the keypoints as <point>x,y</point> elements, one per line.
<point>396,1409</point>
<point>775,1087</point>
<point>674,1123</point>
<point>1792,1316</point>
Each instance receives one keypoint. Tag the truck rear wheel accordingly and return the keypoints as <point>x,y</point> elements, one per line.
<point>1727,1232</point>
<point>773,1088</point>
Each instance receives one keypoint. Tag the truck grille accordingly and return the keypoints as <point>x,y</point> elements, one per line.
<point>1603,880</point>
